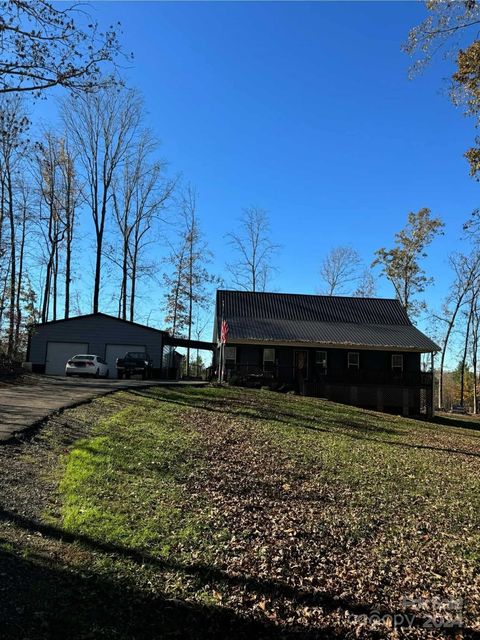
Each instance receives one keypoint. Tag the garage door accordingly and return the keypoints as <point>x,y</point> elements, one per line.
<point>114,351</point>
<point>59,352</point>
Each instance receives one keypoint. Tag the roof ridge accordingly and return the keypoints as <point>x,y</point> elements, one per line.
<point>311,295</point>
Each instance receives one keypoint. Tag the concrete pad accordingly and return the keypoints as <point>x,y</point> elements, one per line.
<point>25,405</point>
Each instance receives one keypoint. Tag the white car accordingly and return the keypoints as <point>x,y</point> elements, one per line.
<point>87,365</point>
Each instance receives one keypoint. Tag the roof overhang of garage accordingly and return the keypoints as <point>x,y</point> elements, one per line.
<point>189,344</point>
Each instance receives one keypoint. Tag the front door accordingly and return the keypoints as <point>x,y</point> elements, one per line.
<point>301,367</point>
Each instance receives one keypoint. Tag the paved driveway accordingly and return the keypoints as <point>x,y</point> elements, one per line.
<point>24,405</point>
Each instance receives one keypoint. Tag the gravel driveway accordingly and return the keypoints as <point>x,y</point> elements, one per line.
<point>24,405</point>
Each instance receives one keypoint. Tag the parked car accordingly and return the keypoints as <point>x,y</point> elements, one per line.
<point>458,408</point>
<point>87,365</point>
<point>134,362</point>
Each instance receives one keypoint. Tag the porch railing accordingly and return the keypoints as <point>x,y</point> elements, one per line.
<point>289,374</point>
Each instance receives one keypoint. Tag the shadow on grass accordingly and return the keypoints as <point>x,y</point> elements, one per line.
<point>204,574</point>
<point>268,412</point>
<point>340,425</point>
<point>42,601</point>
<point>46,602</point>
<point>469,422</point>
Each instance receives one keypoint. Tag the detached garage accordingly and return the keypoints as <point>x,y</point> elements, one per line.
<point>53,343</point>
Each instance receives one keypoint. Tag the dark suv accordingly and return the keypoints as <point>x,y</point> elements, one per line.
<point>134,362</point>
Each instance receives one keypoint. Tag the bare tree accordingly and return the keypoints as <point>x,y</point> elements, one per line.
<point>187,284</point>
<point>339,270</point>
<point>475,346</point>
<point>44,46</point>
<point>59,195</point>
<point>51,215</point>
<point>468,318</point>
<point>466,271</point>
<point>197,256</point>
<point>23,216</point>
<point>102,127</point>
<point>176,318</point>
<point>366,285</point>
<point>13,147</point>
<point>72,196</point>
<point>465,284</point>
<point>140,194</point>
<point>253,250</point>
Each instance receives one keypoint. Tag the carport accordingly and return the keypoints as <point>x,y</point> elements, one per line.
<point>184,343</point>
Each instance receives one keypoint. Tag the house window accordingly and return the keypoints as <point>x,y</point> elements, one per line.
<point>353,361</point>
<point>268,356</point>
<point>230,356</point>
<point>397,363</point>
<point>321,361</point>
<point>268,359</point>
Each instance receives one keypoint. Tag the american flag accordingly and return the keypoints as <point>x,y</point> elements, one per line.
<point>224,332</point>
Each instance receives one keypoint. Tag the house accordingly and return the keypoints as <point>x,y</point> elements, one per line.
<point>51,344</point>
<point>359,351</point>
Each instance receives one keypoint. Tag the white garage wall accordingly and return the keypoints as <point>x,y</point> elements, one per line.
<point>59,352</point>
<point>114,351</point>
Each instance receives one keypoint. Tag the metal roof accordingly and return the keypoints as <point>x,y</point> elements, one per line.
<point>320,320</point>
<point>99,314</point>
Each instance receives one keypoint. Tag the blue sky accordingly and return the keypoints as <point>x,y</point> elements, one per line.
<point>304,109</point>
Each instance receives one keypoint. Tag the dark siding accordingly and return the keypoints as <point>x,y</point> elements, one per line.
<point>337,359</point>
<point>383,392</point>
<point>247,354</point>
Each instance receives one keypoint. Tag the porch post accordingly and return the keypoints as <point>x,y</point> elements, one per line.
<point>219,363</point>
<point>432,396</point>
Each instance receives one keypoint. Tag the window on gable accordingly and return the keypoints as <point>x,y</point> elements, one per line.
<point>397,362</point>
<point>353,360</point>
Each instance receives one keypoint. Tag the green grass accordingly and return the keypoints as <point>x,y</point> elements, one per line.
<point>125,484</point>
<point>286,511</point>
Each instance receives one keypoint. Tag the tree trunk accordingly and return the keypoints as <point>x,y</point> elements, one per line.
<point>475,328</point>
<point>133,285</point>
<point>190,298</point>
<point>68,277</point>
<point>98,267</point>
<point>124,277</point>
<point>18,318</point>
<point>464,359</point>
<point>4,291</point>
<point>55,278</point>
<point>13,274</point>
<point>68,252</point>
<point>444,350</point>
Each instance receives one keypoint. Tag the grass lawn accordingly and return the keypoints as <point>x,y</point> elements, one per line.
<point>228,513</point>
